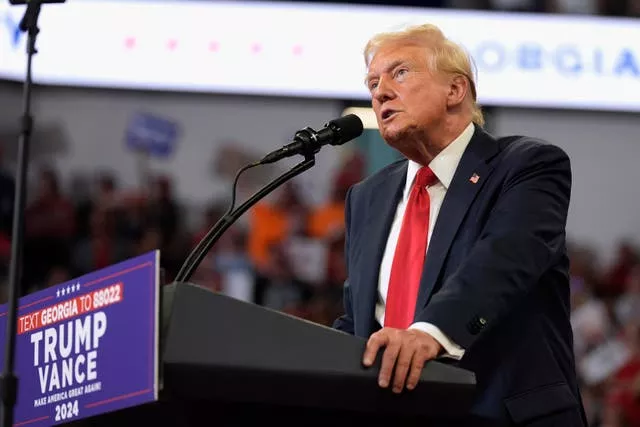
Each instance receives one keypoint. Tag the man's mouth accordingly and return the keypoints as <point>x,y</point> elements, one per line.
<point>386,114</point>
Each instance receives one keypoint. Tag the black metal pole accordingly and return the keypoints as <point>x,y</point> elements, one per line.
<point>198,253</point>
<point>8,379</point>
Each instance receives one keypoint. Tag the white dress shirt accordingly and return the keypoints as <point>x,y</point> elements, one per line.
<point>443,166</point>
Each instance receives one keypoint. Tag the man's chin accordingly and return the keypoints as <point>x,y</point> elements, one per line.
<point>403,141</point>
<point>393,137</point>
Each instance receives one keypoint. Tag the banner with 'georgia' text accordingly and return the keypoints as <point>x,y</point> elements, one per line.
<point>88,346</point>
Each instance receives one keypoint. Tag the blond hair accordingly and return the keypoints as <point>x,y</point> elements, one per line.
<point>446,56</point>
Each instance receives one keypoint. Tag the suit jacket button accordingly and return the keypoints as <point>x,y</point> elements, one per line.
<point>476,325</point>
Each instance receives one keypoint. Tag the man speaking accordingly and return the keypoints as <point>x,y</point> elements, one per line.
<point>458,251</point>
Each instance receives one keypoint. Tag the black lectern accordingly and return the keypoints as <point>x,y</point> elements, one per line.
<point>228,362</point>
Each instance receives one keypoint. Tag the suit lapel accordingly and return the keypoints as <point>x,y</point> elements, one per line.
<point>383,202</point>
<point>459,196</point>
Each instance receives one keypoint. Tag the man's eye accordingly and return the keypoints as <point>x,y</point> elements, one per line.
<point>401,72</point>
<point>373,85</point>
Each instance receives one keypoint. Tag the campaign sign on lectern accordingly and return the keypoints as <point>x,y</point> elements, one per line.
<point>88,346</point>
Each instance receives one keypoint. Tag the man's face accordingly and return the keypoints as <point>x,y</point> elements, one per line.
<point>407,97</point>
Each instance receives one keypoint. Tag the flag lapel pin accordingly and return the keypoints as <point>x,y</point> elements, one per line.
<point>474,178</point>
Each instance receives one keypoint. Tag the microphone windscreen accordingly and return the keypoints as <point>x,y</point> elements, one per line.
<point>346,128</point>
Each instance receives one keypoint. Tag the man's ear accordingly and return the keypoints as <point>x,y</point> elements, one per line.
<point>458,88</point>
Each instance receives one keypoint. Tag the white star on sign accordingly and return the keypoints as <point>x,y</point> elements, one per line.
<point>58,293</point>
<point>62,292</point>
<point>68,289</point>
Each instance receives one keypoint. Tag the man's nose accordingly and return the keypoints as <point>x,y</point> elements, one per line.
<point>384,91</point>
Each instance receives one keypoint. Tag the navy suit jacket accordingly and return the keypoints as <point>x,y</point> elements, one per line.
<point>495,278</point>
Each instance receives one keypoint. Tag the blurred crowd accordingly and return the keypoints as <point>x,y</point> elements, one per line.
<point>289,256</point>
<point>629,8</point>
<point>606,322</point>
<point>283,254</point>
<point>618,8</point>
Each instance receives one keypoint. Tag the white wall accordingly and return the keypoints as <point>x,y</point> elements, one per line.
<point>86,128</point>
<point>604,149</point>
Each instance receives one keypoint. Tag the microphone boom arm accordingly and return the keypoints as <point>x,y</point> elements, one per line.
<point>198,253</point>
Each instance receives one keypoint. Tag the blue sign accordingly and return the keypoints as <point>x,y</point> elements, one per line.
<point>89,346</point>
<point>152,134</point>
<point>12,28</point>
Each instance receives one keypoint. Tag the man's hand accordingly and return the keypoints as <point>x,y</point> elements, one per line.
<point>407,350</point>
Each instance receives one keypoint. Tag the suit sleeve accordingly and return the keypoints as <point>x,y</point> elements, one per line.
<point>345,322</point>
<point>523,237</point>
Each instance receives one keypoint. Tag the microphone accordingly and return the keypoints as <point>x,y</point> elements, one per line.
<point>307,141</point>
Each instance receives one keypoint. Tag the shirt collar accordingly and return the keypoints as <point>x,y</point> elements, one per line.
<point>444,165</point>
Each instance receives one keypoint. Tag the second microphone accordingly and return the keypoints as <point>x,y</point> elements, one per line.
<point>308,142</point>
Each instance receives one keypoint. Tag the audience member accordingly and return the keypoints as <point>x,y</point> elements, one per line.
<point>49,228</point>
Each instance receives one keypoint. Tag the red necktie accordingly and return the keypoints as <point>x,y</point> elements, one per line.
<point>408,259</point>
